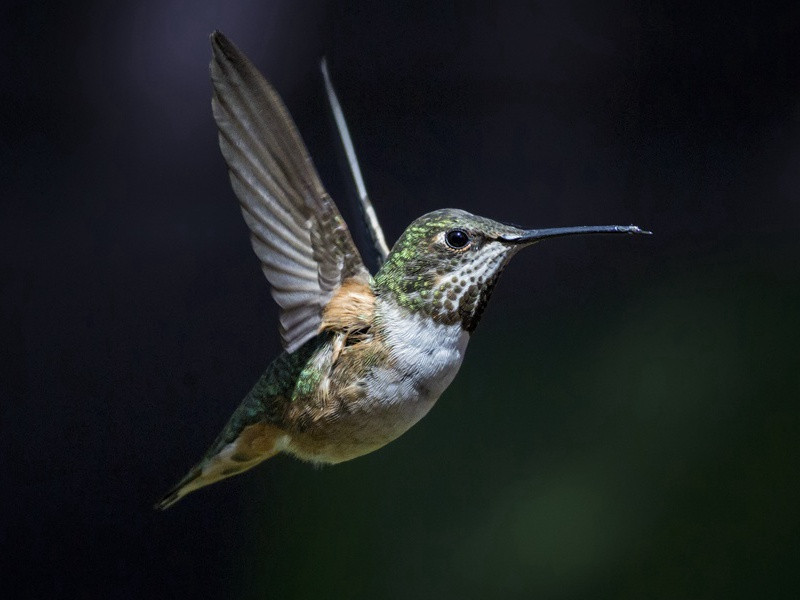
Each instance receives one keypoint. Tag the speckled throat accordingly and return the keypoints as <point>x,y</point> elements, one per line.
<point>450,285</point>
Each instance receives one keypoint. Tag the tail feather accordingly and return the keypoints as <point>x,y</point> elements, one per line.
<point>180,489</point>
<point>254,444</point>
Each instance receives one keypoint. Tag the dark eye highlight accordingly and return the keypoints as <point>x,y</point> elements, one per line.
<point>457,239</point>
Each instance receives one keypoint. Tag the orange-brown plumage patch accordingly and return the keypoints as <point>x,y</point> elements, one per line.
<point>259,439</point>
<point>256,442</point>
<point>351,309</point>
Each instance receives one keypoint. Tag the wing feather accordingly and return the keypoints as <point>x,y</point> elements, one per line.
<point>367,211</point>
<point>298,234</point>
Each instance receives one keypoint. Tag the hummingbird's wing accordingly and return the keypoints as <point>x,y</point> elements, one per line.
<point>367,212</point>
<point>303,243</point>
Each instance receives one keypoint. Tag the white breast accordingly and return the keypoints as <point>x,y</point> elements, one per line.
<point>425,358</point>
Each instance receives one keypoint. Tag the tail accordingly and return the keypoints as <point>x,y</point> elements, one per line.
<point>179,490</point>
<point>254,443</point>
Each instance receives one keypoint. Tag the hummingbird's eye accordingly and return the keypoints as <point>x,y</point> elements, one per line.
<point>457,239</point>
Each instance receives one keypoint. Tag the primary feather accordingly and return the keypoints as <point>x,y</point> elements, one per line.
<point>297,232</point>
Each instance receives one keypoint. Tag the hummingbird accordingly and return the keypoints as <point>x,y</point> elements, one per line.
<point>365,356</point>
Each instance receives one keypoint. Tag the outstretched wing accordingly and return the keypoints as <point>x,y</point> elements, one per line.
<point>367,212</point>
<point>303,243</point>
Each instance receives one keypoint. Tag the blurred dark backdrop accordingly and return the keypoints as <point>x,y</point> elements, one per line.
<point>626,421</point>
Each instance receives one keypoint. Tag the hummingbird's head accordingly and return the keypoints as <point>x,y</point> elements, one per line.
<point>447,262</point>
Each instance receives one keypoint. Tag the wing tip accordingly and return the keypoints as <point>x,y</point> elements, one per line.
<point>224,50</point>
<point>218,39</point>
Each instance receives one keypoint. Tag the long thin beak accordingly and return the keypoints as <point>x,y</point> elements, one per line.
<point>535,235</point>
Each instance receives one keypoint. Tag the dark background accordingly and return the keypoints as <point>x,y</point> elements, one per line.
<point>625,424</point>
